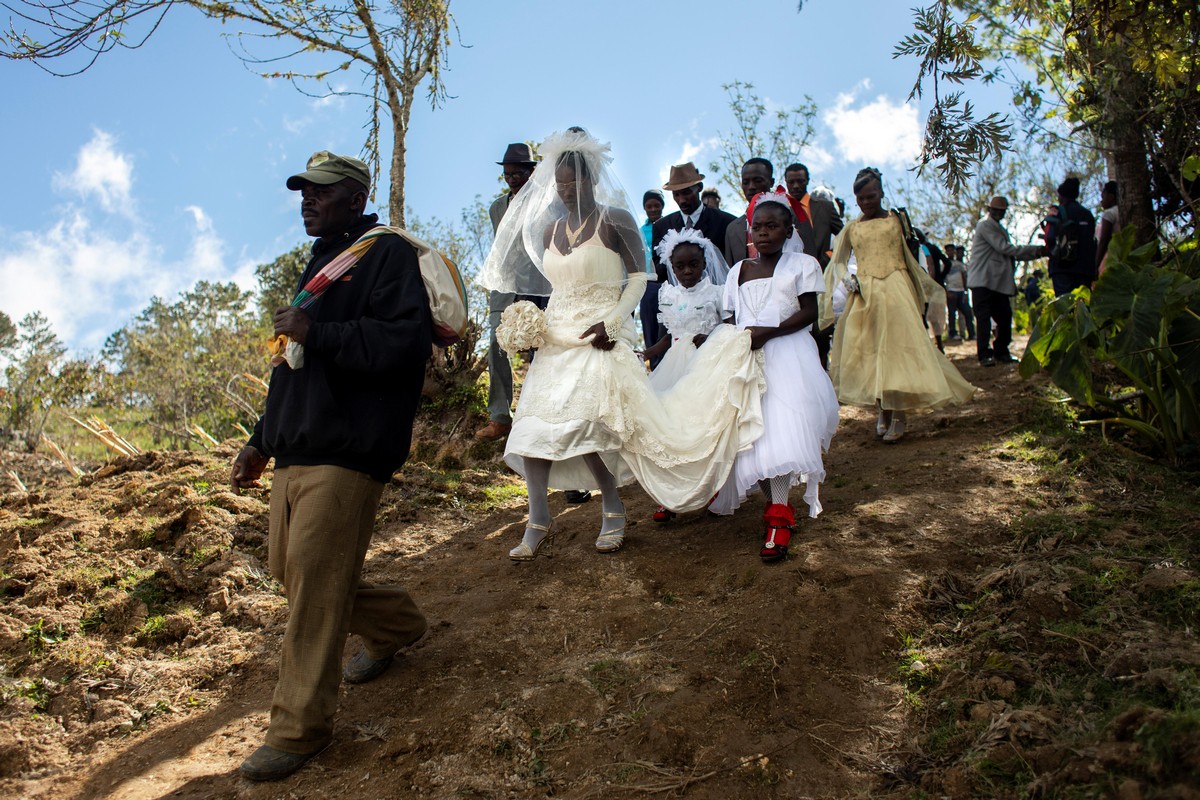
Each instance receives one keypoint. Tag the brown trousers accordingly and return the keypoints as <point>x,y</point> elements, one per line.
<point>321,523</point>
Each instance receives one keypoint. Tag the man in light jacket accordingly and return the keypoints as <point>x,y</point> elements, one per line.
<point>991,279</point>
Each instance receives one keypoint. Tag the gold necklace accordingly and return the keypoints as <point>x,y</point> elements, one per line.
<point>573,235</point>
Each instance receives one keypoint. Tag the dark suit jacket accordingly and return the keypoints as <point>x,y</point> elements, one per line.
<point>734,243</point>
<point>712,224</point>
<point>826,222</point>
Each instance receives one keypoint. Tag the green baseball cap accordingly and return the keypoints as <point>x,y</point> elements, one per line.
<point>325,168</point>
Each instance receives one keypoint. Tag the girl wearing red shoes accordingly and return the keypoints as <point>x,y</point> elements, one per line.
<point>774,296</point>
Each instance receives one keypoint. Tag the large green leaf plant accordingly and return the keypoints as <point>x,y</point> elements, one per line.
<point>1129,348</point>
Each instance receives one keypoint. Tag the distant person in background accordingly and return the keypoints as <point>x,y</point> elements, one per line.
<point>956,294</point>
<point>937,264</point>
<point>825,222</point>
<point>652,203</point>
<point>823,216</point>
<point>1032,291</point>
<point>1050,218</point>
<point>518,164</point>
<point>991,277</point>
<point>711,198</point>
<point>1108,225</point>
<point>338,427</point>
<point>1071,242</point>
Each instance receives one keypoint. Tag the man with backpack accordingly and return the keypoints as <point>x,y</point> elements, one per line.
<point>338,423</point>
<point>1071,240</point>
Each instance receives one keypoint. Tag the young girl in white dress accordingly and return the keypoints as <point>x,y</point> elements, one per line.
<point>689,307</point>
<point>774,296</point>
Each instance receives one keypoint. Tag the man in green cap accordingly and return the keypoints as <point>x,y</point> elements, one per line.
<point>337,426</point>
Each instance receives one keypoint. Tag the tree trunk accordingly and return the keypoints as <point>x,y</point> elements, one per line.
<point>1130,156</point>
<point>1131,171</point>
<point>400,100</point>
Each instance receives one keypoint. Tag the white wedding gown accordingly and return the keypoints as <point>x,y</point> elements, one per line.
<point>578,399</point>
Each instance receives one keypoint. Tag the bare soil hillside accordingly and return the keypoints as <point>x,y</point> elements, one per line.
<point>996,606</point>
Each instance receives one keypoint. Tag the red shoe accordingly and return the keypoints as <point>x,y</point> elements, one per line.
<point>663,514</point>
<point>780,520</point>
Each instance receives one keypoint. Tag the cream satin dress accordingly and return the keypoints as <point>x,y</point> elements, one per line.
<point>881,352</point>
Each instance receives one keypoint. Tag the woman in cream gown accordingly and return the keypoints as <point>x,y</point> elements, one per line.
<point>587,416</point>
<point>881,355</point>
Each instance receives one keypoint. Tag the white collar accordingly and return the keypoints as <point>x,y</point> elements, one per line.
<point>695,216</point>
<point>700,285</point>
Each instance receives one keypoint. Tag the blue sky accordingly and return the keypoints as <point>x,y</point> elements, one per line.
<point>162,166</point>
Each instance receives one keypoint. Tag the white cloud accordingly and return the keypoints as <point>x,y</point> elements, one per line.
<point>90,282</point>
<point>103,172</point>
<point>206,256</point>
<point>879,132</point>
<point>818,160</point>
<point>91,273</point>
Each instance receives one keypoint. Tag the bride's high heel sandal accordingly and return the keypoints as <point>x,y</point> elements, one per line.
<point>524,552</point>
<point>611,541</point>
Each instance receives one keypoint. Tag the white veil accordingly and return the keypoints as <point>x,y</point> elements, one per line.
<point>539,208</point>
<point>715,268</point>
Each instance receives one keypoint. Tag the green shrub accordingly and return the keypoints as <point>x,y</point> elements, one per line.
<point>1129,349</point>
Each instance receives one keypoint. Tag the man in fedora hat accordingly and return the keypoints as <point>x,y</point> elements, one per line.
<point>337,427</point>
<point>685,185</point>
<point>991,279</point>
<point>518,164</point>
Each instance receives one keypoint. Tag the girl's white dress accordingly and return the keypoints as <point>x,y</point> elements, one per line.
<point>800,407</point>
<point>577,399</point>
<point>685,313</point>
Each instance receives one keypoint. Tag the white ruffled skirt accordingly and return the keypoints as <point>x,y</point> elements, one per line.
<point>800,414</point>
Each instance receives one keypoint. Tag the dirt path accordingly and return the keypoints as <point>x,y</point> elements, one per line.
<point>680,663</point>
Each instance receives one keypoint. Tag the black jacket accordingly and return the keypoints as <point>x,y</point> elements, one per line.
<point>353,402</point>
<point>711,223</point>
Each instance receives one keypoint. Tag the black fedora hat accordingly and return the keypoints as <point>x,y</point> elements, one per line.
<point>517,153</point>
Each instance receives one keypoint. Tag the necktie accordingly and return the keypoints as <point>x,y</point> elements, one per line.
<point>687,221</point>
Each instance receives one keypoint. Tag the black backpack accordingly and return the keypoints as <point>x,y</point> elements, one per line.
<point>1070,231</point>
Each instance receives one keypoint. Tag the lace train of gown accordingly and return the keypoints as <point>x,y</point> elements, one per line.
<point>680,445</point>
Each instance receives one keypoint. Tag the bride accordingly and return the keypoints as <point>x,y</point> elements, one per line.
<point>587,417</point>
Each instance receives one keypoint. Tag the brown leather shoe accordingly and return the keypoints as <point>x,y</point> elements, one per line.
<point>492,431</point>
